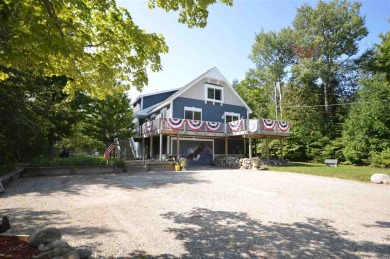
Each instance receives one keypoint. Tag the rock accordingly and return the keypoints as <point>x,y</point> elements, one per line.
<point>61,243</point>
<point>71,255</point>
<point>380,178</point>
<point>59,251</point>
<point>43,248</point>
<point>44,236</point>
<point>84,252</point>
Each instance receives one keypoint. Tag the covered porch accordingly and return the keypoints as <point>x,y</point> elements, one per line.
<point>172,136</point>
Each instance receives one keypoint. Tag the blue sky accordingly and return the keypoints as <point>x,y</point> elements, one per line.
<point>228,37</point>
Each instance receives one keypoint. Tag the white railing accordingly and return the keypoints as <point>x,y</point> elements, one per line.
<point>244,126</point>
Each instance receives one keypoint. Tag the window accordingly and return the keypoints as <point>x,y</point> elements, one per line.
<point>231,116</point>
<point>213,93</point>
<point>191,113</point>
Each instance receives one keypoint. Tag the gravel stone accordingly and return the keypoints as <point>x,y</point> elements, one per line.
<point>206,213</point>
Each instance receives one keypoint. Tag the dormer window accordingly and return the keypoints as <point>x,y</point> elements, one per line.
<point>213,93</point>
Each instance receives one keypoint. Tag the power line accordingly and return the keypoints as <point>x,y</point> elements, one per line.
<point>334,104</point>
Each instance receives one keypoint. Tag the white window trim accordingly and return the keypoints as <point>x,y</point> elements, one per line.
<point>206,87</point>
<point>193,109</point>
<point>231,114</point>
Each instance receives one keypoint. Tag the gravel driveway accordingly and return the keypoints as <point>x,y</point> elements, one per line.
<point>207,214</point>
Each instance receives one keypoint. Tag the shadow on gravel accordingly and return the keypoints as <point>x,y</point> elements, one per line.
<point>76,184</point>
<point>221,234</point>
<point>26,222</point>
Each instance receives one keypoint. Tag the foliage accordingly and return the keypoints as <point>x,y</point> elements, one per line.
<point>107,119</point>
<point>331,32</point>
<point>34,112</point>
<point>367,128</point>
<point>74,160</point>
<point>349,172</point>
<point>305,74</point>
<point>95,43</point>
<point>381,159</point>
<point>382,56</point>
<point>192,13</point>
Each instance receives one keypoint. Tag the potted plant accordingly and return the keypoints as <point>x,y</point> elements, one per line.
<point>177,166</point>
<point>183,163</point>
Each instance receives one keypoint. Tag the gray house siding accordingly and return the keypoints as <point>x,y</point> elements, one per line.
<point>157,98</point>
<point>210,112</point>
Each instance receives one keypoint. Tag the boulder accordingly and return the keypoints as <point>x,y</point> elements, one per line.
<point>61,243</point>
<point>380,178</point>
<point>71,255</point>
<point>44,236</point>
<point>84,252</point>
<point>59,251</point>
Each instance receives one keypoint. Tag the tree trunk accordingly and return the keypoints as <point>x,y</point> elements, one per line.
<point>50,139</point>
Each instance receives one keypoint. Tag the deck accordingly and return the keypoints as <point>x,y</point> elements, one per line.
<point>244,128</point>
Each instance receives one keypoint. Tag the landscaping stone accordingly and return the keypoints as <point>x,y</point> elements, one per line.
<point>56,248</point>
<point>71,255</point>
<point>59,251</point>
<point>380,178</point>
<point>61,243</point>
<point>84,252</point>
<point>44,236</point>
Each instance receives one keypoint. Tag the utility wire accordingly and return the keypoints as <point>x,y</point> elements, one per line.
<point>334,104</point>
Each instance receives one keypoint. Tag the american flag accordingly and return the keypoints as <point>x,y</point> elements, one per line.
<point>108,151</point>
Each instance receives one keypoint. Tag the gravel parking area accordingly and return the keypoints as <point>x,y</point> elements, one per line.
<point>207,213</point>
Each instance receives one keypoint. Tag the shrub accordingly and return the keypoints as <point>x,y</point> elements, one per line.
<point>381,159</point>
<point>75,160</point>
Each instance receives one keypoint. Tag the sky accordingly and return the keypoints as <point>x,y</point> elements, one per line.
<point>227,39</point>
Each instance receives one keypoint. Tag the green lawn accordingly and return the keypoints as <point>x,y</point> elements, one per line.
<point>358,173</point>
<point>5,169</point>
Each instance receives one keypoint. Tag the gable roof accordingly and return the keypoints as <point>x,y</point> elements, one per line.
<point>151,94</point>
<point>212,73</point>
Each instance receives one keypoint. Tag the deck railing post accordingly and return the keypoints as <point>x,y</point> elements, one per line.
<point>250,148</point>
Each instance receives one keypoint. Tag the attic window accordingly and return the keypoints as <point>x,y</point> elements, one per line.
<point>213,93</point>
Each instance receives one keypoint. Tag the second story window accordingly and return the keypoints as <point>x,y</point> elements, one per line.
<point>191,113</point>
<point>213,93</point>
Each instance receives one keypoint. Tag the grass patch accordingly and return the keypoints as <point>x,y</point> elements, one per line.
<point>5,169</point>
<point>350,172</point>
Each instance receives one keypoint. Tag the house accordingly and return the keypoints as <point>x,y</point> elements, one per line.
<point>201,120</point>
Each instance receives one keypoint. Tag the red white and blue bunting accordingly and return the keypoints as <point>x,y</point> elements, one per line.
<point>174,123</point>
<point>195,124</point>
<point>269,124</point>
<point>235,125</point>
<point>284,126</point>
<point>253,125</point>
<point>213,126</point>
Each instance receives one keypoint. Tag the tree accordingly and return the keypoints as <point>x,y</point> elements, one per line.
<point>94,43</point>
<point>272,55</point>
<point>108,119</point>
<point>192,13</point>
<point>34,114</point>
<point>367,129</point>
<point>328,38</point>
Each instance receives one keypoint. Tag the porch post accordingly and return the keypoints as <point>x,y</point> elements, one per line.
<point>161,145</point>
<point>245,146</point>
<point>250,148</point>
<point>143,148</point>
<point>177,144</point>
<point>151,146</point>
<point>226,147</point>
<point>281,147</point>
<point>267,147</point>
